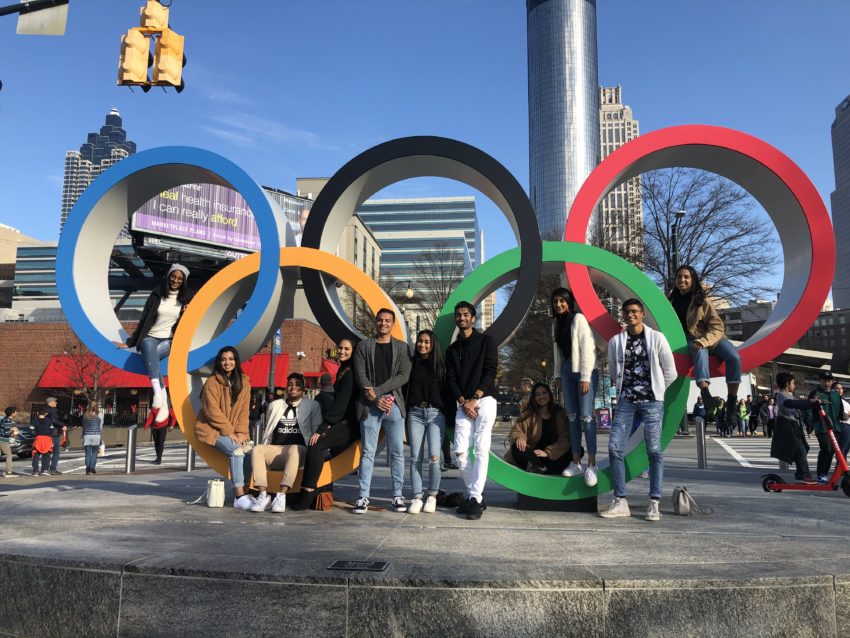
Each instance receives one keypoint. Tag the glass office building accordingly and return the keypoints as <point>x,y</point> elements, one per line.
<point>840,204</point>
<point>563,105</point>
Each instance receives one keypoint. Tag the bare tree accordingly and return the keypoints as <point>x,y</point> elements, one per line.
<point>88,372</point>
<point>438,273</point>
<point>732,247</point>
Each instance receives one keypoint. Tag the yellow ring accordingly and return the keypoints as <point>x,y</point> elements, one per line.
<point>179,376</point>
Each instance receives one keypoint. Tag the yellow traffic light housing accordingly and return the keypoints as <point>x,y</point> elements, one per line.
<point>153,16</point>
<point>135,59</point>
<point>169,60</point>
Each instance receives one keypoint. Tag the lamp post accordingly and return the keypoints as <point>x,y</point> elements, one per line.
<point>407,293</point>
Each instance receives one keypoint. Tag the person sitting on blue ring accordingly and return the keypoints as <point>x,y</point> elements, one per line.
<point>152,337</point>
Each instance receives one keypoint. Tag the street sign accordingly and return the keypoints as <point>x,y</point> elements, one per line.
<point>42,21</point>
<point>360,565</point>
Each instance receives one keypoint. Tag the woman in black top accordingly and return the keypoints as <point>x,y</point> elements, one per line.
<point>425,419</point>
<point>339,429</point>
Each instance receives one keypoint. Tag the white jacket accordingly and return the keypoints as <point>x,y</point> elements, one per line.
<point>583,348</point>
<point>661,363</point>
<point>308,415</point>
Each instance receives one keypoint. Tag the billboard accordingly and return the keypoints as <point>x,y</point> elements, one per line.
<point>202,213</point>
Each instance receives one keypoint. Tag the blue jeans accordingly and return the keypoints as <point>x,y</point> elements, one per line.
<point>723,349</point>
<point>240,464</point>
<point>652,413</point>
<point>422,423</point>
<point>91,456</point>
<point>57,450</point>
<point>579,408</point>
<point>369,428</point>
<point>153,351</point>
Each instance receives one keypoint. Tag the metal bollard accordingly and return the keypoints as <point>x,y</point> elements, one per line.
<point>130,460</point>
<point>701,458</point>
<point>190,458</point>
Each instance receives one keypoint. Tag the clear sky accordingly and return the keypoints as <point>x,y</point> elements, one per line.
<point>296,88</point>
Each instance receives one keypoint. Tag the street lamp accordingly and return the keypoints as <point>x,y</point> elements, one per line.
<point>674,240</point>
<point>408,294</point>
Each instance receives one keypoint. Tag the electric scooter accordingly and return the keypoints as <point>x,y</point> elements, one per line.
<point>841,475</point>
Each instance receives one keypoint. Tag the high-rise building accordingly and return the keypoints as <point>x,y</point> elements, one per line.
<point>100,151</point>
<point>840,202</point>
<point>427,244</point>
<point>618,224</point>
<point>563,105</point>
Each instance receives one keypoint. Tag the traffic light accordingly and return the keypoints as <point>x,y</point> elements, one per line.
<point>135,60</point>
<point>169,60</point>
<point>154,16</point>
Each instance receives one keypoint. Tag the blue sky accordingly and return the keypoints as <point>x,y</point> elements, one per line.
<point>296,88</point>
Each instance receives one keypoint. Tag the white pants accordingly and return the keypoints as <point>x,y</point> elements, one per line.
<point>479,430</point>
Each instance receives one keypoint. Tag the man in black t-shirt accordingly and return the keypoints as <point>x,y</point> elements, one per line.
<point>290,422</point>
<point>381,367</point>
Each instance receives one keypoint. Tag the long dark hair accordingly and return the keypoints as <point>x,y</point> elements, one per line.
<point>345,366</point>
<point>235,377</point>
<point>435,357</point>
<point>696,286</point>
<point>566,295</point>
<point>532,409</point>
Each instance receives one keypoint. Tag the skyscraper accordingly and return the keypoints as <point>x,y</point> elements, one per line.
<point>618,224</point>
<point>563,105</point>
<point>100,151</point>
<point>840,204</point>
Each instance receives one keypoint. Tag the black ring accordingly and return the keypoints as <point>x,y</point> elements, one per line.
<point>421,156</point>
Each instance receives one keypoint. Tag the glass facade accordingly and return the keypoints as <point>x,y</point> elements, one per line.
<point>563,105</point>
<point>840,204</point>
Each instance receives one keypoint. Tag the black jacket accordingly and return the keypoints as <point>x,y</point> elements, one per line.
<point>149,313</point>
<point>343,407</point>
<point>44,426</point>
<point>53,415</point>
<point>471,365</point>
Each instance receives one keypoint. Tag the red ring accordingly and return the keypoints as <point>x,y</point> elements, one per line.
<point>608,174</point>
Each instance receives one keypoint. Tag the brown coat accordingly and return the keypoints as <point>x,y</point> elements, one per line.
<point>217,416</point>
<point>704,324</point>
<point>530,428</point>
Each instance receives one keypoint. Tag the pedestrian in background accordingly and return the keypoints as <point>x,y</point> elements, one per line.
<point>325,396</point>
<point>832,406</point>
<point>159,430</point>
<point>742,418</point>
<point>42,447</point>
<point>699,413</point>
<point>845,420</point>
<point>92,429</point>
<point>59,430</point>
<point>8,429</point>
<point>767,414</point>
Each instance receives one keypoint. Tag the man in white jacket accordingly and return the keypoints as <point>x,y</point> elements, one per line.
<point>290,423</point>
<point>642,368</point>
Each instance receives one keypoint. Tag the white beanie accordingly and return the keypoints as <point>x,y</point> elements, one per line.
<point>179,267</point>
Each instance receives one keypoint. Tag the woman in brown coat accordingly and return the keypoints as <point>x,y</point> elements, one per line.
<point>539,439</point>
<point>223,419</point>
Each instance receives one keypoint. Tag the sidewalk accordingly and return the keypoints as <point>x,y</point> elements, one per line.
<point>130,557</point>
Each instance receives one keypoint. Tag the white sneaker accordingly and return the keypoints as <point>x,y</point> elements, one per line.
<point>430,505</point>
<point>590,476</point>
<point>653,513</point>
<point>159,400</point>
<point>573,470</point>
<point>644,474</point>
<point>261,503</point>
<point>162,413</point>
<point>279,503</point>
<point>244,502</point>
<point>619,509</point>
<point>415,506</point>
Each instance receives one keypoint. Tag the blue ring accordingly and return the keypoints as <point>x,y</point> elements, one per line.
<point>233,177</point>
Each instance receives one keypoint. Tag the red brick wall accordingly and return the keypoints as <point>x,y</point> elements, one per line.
<point>26,348</point>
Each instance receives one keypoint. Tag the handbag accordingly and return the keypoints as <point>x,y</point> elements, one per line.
<point>683,503</point>
<point>215,493</point>
<point>324,501</point>
<point>101,450</point>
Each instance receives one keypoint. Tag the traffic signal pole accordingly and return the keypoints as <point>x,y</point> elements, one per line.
<point>29,7</point>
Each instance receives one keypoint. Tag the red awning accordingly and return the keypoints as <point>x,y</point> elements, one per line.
<point>77,371</point>
<point>330,367</point>
<point>257,367</point>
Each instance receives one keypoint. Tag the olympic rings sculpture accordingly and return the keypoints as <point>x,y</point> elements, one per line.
<point>86,243</point>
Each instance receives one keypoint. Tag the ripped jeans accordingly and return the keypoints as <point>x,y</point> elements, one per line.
<point>579,407</point>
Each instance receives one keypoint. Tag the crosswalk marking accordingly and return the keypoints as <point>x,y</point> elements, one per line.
<point>755,452</point>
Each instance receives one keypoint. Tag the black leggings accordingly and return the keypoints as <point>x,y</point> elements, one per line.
<point>555,466</point>
<point>158,435</point>
<point>339,437</point>
<point>826,453</point>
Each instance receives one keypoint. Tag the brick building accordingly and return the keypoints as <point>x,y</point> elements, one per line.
<point>27,348</point>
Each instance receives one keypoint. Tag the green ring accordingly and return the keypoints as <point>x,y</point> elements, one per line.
<point>675,398</point>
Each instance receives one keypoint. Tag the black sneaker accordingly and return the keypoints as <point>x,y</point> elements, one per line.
<point>55,472</point>
<point>399,505</point>
<point>361,506</point>
<point>463,508</point>
<point>474,510</point>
